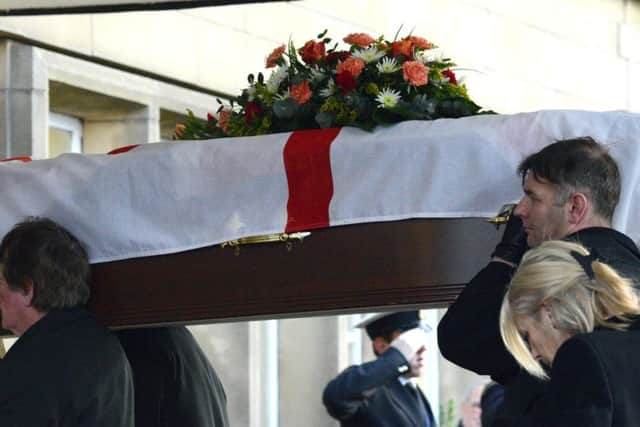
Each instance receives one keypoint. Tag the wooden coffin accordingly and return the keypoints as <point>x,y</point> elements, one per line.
<point>411,263</point>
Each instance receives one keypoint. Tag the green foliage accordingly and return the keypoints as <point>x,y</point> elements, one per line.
<point>448,415</point>
<point>195,128</point>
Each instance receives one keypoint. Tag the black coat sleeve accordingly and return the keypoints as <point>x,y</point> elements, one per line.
<point>352,389</point>
<point>469,332</point>
<point>174,382</point>
<point>580,390</point>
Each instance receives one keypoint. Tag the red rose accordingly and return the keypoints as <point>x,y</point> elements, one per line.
<point>334,57</point>
<point>312,52</point>
<point>448,73</point>
<point>346,81</point>
<point>250,110</point>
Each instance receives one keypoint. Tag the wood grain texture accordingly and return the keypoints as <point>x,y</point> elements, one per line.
<point>411,263</point>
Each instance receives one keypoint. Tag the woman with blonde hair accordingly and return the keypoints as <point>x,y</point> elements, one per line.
<point>568,318</point>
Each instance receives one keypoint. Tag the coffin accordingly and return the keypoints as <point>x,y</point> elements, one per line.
<point>396,217</point>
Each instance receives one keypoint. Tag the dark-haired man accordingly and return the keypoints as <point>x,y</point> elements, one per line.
<point>571,189</point>
<point>65,369</point>
<point>381,392</point>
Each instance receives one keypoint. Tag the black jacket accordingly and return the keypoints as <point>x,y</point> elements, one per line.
<point>371,395</point>
<point>469,333</point>
<point>66,370</point>
<point>175,385</point>
<point>594,383</point>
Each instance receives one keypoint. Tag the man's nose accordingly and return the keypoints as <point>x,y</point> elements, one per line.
<point>520,210</point>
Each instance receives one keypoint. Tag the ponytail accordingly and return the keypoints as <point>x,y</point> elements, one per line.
<point>613,298</point>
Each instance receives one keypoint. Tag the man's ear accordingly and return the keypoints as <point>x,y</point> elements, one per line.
<point>577,208</point>
<point>29,289</point>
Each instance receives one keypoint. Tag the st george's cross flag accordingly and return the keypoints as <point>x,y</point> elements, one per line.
<point>167,197</point>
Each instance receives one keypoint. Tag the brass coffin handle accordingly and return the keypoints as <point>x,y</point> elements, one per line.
<point>505,213</point>
<point>266,238</point>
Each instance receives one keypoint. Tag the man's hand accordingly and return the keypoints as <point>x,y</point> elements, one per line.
<point>513,244</point>
<point>412,345</point>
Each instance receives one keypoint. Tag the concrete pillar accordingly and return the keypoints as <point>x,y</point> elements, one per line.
<point>24,101</point>
<point>308,361</point>
<point>115,130</point>
<point>263,374</point>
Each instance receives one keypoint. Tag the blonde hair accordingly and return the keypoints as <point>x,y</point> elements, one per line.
<point>549,274</point>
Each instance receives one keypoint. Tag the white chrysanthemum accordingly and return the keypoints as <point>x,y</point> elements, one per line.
<point>276,78</point>
<point>420,56</point>
<point>388,65</point>
<point>371,54</point>
<point>284,95</point>
<point>329,90</point>
<point>388,98</point>
<point>316,74</point>
<point>431,55</point>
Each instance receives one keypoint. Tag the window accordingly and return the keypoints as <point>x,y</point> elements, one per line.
<point>65,135</point>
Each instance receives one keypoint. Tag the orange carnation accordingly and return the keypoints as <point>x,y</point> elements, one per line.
<point>415,73</point>
<point>301,92</point>
<point>274,56</point>
<point>359,39</point>
<point>223,119</point>
<point>179,130</point>
<point>402,47</point>
<point>420,42</point>
<point>351,65</point>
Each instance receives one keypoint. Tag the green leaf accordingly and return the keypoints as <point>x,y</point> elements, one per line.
<point>457,107</point>
<point>285,109</point>
<point>325,120</point>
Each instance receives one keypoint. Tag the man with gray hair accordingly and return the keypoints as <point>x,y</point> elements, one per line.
<point>65,369</point>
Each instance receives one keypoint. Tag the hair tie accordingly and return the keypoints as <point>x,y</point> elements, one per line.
<point>585,261</point>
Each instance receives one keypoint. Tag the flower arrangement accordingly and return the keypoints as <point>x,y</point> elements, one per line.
<point>373,82</point>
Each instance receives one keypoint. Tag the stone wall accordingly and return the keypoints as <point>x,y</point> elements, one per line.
<point>523,55</point>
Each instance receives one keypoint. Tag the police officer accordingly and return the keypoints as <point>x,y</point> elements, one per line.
<point>382,392</point>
